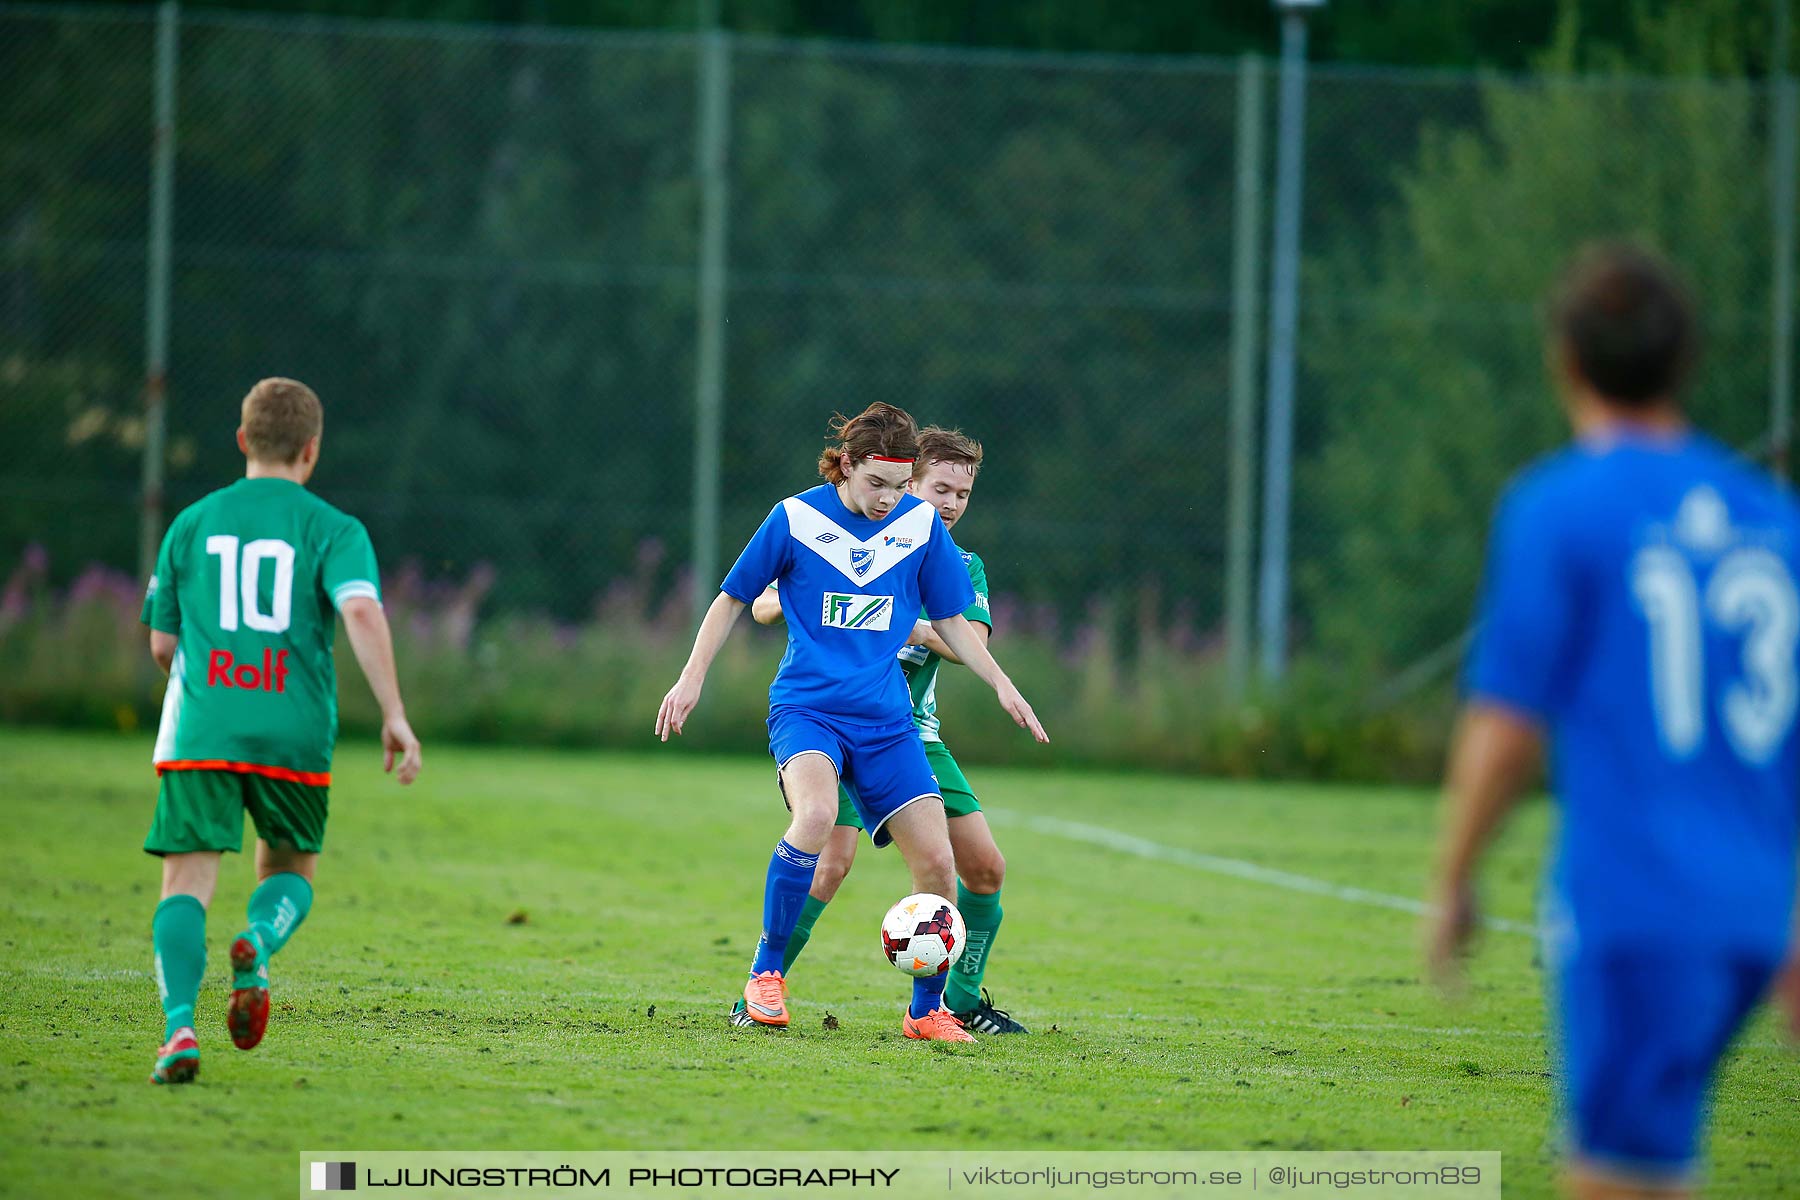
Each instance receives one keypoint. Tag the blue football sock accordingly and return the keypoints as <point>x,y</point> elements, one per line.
<point>784,895</point>
<point>928,994</point>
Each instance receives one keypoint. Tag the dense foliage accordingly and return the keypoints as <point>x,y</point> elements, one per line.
<point>1439,355</point>
<point>532,681</point>
<point>480,245</point>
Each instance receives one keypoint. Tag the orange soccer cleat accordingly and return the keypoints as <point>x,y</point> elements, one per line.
<point>765,999</point>
<point>938,1025</point>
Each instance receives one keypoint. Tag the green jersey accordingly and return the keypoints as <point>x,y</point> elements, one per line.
<point>249,580</point>
<point>921,665</point>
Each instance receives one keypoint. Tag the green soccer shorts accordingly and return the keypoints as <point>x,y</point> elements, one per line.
<point>959,798</point>
<point>204,810</point>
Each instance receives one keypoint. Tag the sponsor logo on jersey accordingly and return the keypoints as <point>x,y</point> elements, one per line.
<point>905,543</point>
<point>826,537</point>
<point>223,671</point>
<point>841,611</point>
<point>861,560</point>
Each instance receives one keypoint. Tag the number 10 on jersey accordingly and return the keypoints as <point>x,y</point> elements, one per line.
<point>239,583</point>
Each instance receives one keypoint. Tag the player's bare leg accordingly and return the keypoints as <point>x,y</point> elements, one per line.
<point>810,781</point>
<point>178,933</point>
<point>923,839</point>
<point>919,832</point>
<point>281,901</point>
<point>835,862</point>
<point>193,874</point>
<point>271,861</point>
<point>979,863</point>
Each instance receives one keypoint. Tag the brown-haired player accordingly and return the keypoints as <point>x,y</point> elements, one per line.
<point>241,617</point>
<point>855,558</point>
<point>944,477</point>
<point>1641,615</point>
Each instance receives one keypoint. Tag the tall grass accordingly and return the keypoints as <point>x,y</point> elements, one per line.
<point>78,656</point>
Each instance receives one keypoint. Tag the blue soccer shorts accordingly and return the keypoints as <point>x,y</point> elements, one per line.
<point>883,768</point>
<point>1641,1032</point>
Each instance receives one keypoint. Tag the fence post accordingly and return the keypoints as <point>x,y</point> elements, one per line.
<point>709,377</point>
<point>1781,199</point>
<point>1246,266</point>
<point>156,288</point>
<point>1284,314</point>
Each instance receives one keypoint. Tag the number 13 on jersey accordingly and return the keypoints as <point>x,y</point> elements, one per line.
<point>1751,594</point>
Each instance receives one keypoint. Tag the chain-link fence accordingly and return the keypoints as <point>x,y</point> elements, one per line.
<point>487,250</point>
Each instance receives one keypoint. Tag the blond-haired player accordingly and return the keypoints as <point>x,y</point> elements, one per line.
<point>242,613</point>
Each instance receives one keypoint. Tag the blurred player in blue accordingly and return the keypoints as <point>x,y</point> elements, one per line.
<point>1640,614</point>
<point>856,558</point>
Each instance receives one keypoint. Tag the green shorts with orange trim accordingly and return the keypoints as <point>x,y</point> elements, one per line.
<point>204,810</point>
<point>959,798</point>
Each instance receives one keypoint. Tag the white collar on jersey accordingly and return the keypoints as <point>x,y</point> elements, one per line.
<point>860,562</point>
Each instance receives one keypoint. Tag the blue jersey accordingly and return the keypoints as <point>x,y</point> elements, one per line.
<point>850,589</point>
<point>1640,601</point>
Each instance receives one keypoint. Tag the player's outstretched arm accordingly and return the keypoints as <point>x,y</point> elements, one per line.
<point>970,649</point>
<point>766,609</point>
<point>933,641</point>
<point>682,698</point>
<point>373,643</point>
<point>1495,751</point>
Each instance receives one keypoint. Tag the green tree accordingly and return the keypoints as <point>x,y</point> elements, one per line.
<point>1430,381</point>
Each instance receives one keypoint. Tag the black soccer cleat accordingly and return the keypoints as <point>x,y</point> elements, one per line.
<point>985,1018</point>
<point>740,1015</point>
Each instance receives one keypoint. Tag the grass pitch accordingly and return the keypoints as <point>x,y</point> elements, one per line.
<point>536,951</point>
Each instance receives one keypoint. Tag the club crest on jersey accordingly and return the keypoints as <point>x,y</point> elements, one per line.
<point>861,560</point>
<point>843,611</point>
<point>1703,523</point>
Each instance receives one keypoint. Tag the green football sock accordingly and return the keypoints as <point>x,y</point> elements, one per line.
<point>802,932</point>
<point>981,913</point>
<point>178,932</point>
<point>277,907</point>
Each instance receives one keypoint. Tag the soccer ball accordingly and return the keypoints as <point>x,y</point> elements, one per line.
<point>923,935</point>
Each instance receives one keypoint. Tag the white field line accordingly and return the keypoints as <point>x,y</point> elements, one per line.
<point>717,1003</point>
<point>1237,868</point>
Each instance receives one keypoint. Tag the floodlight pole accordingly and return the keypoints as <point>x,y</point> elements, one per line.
<point>1246,266</point>
<point>156,289</point>
<point>1284,310</point>
<point>709,372</point>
